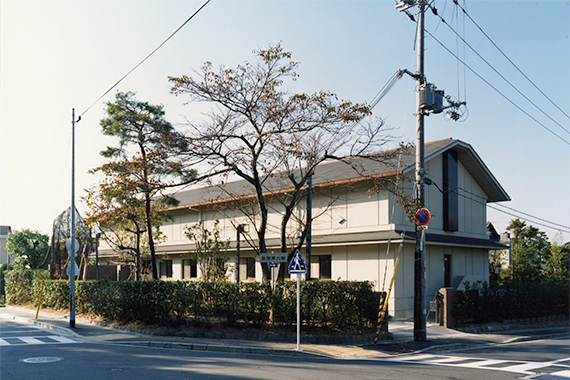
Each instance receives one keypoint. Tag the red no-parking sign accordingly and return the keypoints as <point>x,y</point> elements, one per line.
<point>422,216</point>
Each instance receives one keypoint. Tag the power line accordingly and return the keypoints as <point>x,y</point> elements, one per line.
<point>496,90</point>
<point>519,214</point>
<point>505,79</point>
<point>527,219</point>
<point>387,87</point>
<point>483,201</point>
<point>534,217</point>
<point>508,59</point>
<point>147,57</point>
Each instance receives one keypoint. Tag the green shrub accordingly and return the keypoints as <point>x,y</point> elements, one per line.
<point>479,303</point>
<point>324,303</point>
<point>22,286</point>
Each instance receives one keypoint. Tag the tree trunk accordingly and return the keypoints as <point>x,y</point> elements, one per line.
<point>150,238</point>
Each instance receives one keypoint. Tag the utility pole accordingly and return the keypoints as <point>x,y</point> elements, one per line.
<point>429,100</point>
<point>73,247</point>
<point>421,110</point>
<point>419,255</point>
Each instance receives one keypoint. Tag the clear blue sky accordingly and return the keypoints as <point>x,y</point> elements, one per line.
<point>59,55</point>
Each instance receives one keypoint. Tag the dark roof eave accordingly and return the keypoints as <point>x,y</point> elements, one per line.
<point>458,241</point>
<point>269,193</point>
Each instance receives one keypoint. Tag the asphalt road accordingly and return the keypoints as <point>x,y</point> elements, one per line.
<point>31,353</point>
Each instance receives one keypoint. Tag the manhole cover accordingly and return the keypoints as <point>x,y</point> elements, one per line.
<point>44,359</point>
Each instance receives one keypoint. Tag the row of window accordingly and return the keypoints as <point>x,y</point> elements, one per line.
<point>320,266</point>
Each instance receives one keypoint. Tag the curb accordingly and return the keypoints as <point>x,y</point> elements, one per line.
<point>221,348</point>
<point>261,337</point>
<point>285,338</point>
<point>44,325</point>
<point>171,345</point>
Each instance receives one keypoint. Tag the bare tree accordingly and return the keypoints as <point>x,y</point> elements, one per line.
<point>258,131</point>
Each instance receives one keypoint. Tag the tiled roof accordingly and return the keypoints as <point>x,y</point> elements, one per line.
<point>357,169</point>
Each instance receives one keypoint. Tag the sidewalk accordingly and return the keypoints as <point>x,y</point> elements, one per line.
<point>438,338</point>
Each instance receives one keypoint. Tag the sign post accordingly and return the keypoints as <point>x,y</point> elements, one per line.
<point>298,266</point>
<point>273,266</point>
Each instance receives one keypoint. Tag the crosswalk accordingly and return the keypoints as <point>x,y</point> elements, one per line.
<point>35,340</point>
<point>560,368</point>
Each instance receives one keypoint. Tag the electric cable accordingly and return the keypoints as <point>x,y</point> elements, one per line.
<point>496,90</point>
<point>516,213</point>
<point>141,62</point>
<point>505,79</point>
<point>534,217</point>
<point>508,59</point>
<point>528,220</point>
<point>514,210</point>
<point>387,87</point>
<point>375,100</point>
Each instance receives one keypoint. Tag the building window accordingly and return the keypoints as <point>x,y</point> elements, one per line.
<point>450,191</point>
<point>166,269</point>
<point>321,267</point>
<point>246,268</point>
<point>325,269</point>
<point>189,269</point>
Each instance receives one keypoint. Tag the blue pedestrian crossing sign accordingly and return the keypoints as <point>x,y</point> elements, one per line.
<point>297,264</point>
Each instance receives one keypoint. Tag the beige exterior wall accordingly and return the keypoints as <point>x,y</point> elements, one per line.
<point>472,203</point>
<point>358,211</point>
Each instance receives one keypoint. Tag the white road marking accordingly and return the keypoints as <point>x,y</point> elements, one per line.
<point>518,366</point>
<point>30,340</point>
<point>36,340</point>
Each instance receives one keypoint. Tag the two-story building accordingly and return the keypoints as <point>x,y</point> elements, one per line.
<point>358,233</point>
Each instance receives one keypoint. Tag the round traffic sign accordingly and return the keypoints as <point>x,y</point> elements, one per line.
<point>75,245</point>
<point>422,216</point>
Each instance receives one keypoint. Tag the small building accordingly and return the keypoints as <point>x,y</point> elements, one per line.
<point>357,233</point>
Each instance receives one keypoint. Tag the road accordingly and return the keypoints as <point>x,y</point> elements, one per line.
<point>31,353</point>
<point>530,358</point>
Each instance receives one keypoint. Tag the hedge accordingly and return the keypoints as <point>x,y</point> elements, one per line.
<point>23,287</point>
<point>334,304</point>
<point>479,303</point>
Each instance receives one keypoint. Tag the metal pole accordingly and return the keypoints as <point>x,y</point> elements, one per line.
<point>239,228</point>
<point>298,311</point>
<point>309,223</point>
<point>419,255</point>
<point>72,253</point>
